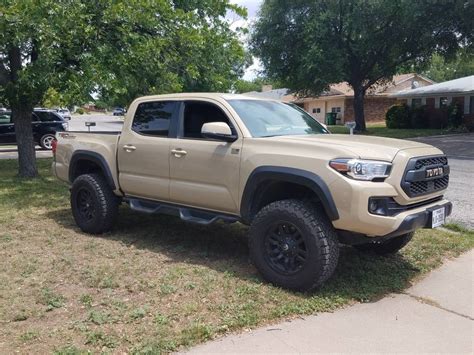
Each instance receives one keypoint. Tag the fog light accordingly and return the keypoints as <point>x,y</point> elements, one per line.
<point>373,206</point>
<point>378,205</point>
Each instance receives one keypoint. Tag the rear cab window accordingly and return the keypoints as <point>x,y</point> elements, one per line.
<point>154,118</point>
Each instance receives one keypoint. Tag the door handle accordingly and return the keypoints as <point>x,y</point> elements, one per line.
<point>178,153</point>
<point>129,148</point>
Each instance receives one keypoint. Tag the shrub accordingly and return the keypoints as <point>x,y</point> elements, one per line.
<point>419,117</point>
<point>398,116</point>
<point>455,115</point>
<point>438,118</point>
<point>80,111</point>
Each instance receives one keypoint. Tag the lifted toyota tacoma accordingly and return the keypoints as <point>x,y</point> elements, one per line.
<point>263,163</point>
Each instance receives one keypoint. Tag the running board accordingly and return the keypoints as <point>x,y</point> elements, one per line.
<point>185,213</point>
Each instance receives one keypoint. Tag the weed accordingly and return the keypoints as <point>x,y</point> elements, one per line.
<point>29,336</point>
<point>51,299</point>
<point>86,300</point>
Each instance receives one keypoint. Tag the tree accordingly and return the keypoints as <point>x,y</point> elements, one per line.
<point>309,44</point>
<point>53,99</point>
<point>119,49</point>
<point>440,69</point>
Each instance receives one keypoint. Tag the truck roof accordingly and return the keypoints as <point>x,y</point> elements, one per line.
<point>207,95</point>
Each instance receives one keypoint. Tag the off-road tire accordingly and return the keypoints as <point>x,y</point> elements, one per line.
<point>390,246</point>
<point>45,141</point>
<point>97,216</point>
<point>320,240</point>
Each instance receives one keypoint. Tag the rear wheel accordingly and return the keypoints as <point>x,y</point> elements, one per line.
<point>390,246</point>
<point>93,203</point>
<point>46,141</point>
<point>293,245</point>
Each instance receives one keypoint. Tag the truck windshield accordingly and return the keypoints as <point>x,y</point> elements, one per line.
<point>271,118</point>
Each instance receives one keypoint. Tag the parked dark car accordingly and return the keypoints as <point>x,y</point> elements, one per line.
<point>45,125</point>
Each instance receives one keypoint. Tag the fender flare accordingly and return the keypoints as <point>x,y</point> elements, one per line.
<point>96,158</point>
<point>284,174</point>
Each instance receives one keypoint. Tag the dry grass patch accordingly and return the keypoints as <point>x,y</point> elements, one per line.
<point>155,283</point>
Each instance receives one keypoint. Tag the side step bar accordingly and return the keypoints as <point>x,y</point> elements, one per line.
<point>185,213</point>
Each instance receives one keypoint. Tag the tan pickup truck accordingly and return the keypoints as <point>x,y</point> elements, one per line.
<point>270,165</point>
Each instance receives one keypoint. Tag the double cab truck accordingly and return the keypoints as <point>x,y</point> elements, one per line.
<point>263,163</point>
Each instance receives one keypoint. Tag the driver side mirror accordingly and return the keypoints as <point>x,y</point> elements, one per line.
<point>218,130</point>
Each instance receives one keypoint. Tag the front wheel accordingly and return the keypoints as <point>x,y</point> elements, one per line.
<point>293,245</point>
<point>46,141</point>
<point>93,203</point>
<point>390,246</point>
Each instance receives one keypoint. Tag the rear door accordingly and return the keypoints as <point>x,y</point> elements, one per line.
<point>144,150</point>
<point>7,129</point>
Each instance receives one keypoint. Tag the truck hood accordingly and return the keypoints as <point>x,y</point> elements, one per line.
<point>365,147</point>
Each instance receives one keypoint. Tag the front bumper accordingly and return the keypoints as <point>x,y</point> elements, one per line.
<point>410,223</point>
<point>419,220</point>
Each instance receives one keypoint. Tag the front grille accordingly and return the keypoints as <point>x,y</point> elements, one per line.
<point>415,181</point>
<point>442,160</point>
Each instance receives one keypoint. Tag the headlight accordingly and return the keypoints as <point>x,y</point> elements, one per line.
<point>362,169</point>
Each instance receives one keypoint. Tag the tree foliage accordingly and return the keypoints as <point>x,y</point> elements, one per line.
<point>308,44</point>
<point>119,49</point>
<point>242,86</point>
<point>439,69</point>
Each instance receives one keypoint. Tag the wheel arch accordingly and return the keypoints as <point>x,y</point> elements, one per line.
<point>84,162</point>
<point>283,182</point>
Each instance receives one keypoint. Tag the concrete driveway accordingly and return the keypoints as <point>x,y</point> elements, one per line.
<point>460,152</point>
<point>434,316</point>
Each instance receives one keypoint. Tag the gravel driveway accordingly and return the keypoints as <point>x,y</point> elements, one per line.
<point>460,152</point>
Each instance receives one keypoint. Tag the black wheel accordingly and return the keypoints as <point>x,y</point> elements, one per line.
<point>293,245</point>
<point>46,142</point>
<point>93,203</point>
<point>390,246</point>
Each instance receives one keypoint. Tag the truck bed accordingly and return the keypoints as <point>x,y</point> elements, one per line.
<point>102,144</point>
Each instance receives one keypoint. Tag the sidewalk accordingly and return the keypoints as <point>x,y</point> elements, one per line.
<point>435,315</point>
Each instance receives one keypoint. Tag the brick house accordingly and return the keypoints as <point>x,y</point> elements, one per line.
<point>439,96</point>
<point>340,98</point>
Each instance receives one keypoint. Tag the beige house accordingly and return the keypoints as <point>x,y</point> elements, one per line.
<point>340,98</point>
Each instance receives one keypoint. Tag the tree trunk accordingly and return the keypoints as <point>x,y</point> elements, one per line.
<point>24,139</point>
<point>359,94</point>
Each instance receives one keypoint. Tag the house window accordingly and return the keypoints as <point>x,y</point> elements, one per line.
<point>416,102</point>
<point>336,109</point>
<point>316,110</point>
<point>443,102</point>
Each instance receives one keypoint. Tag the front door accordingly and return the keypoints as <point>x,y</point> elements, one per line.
<point>204,173</point>
<point>144,150</point>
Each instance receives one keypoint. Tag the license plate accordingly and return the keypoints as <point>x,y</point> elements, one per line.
<point>437,218</point>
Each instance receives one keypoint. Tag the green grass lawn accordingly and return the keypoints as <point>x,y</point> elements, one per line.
<point>379,129</point>
<point>156,284</point>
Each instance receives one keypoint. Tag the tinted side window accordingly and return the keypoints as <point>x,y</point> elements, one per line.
<point>198,113</point>
<point>45,116</point>
<point>154,118</point>
<point>5,118</point>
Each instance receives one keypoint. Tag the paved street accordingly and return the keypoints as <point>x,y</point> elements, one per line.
<point>460,152</point>
<point>103,122</point>
<point>434,316</point>
<point>77,123</point>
